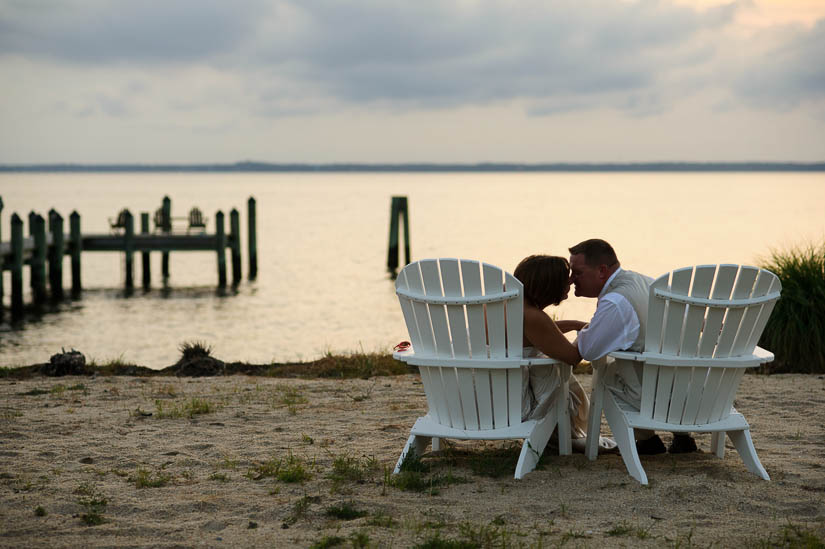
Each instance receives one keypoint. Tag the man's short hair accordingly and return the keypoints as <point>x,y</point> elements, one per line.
<point>596,252</point>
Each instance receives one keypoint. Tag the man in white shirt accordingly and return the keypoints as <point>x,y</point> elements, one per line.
<point>618,325</point>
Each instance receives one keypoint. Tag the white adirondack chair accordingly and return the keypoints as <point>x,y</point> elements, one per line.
<point>700,338</point>
<point>471,369</point>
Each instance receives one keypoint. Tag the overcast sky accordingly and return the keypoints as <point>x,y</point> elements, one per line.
<point>158,81</point>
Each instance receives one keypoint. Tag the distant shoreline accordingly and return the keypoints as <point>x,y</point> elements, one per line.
<point>242,167</point>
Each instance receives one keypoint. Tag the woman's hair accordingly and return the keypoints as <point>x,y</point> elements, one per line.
<point>545,279</point>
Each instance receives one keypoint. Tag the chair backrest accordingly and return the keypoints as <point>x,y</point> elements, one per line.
<point>707,312</point>
<point>467,317</point>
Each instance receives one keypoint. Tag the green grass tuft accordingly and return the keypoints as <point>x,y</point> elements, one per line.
<point>795,332</point>
<point>345,511</point>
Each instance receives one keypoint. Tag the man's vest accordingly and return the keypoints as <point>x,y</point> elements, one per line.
<point>635,288</point>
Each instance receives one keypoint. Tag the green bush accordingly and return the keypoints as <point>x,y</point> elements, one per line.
<point>795,332</point>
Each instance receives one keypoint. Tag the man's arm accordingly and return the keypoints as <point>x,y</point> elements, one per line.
<point>570,325</point>
<point>614,327</point>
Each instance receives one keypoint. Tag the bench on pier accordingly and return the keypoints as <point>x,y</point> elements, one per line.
<point>119,223</point>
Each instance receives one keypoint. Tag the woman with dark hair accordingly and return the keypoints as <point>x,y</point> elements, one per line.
<point>546,281</point>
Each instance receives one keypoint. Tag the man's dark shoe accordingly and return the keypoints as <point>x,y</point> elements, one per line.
<point>650,446</point>
<point>682,444</point>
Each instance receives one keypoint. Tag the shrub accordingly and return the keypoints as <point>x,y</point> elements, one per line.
<point>795,332</point>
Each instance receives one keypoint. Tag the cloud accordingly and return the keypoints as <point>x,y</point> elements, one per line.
<point>298,57</point>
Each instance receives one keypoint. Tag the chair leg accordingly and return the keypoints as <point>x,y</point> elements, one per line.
<point>625,439</point>
<point>744,445</point>
<point>436,445</point>
<point>418,444</point>
<point>717,444</point>
<point>533,446</point>
<point>562,414</point>
<point>594,415</point>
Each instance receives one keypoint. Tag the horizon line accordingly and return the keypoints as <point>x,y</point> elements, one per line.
<point>254,166</point>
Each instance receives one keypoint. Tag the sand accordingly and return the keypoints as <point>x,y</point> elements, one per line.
<point>70,444</point>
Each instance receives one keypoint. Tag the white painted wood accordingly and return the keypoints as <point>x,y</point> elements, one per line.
<point>702,282</point>
<point>733,318</point>
<point>431,276</point>
<point>456,316</point>
<point>452,397</point>
<point>664,389</point>
<point>708,337</point>
<point>471,276</point>
<point>466,392</point>
<point>466,322</point>
<point>675,316</point>
<point>655,316</point>
<point>514,314</point>
<point>484,398</point>
<point>493,284</point>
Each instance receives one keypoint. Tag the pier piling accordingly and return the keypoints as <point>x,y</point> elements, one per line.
<point>220,245</point>
<point>398,208</point>
<point>76,248</point>
<point>235,245</point>
<point>16,267</point>
<point>56,252</point>
<point>38,261</point>
<point>253,239</point>
<point>166,209</point>
<point>144,256</point>
<point>129,250</point>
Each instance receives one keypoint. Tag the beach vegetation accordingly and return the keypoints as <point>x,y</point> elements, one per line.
<point>359,539</point>
<point>144,478</point>
<point>382,520</point>
<point>346,468</point>
<point>220,477</point>
<point>290,469</point>
<point>39,511</point>
<point>299,509</point>
<point>345,511</point>
<point>190,350</point>
<point>37,391</point>
<point>795,332</point>
<point>93,503</point>
<point>188,409</point>
<point>791,536</point>
<point>289,396</point>
<point>328,541</point>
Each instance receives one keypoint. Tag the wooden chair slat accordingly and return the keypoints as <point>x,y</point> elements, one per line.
<point>453,398</point>
<point>431,276</point>
<point>649,385</point>
<point>471,276</point>
<point>751,315</point>
<point>664,389</point>
<point>484,398</point>
<point>655,316</point>
<point>451,279</point>
<point>709,395</point>
<point>764,313</point>
<point>702,281</point>
<point>514,312</point>
<point>681,385</point>
<point>733,318</point>
<point>495,312</point>
<point>675,316</point>
<point>694,394</point>
<point>498,384</point>
<point>466,392</point>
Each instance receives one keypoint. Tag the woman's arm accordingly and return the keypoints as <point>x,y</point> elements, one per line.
<point>545,335</point>
<point>570,325</point>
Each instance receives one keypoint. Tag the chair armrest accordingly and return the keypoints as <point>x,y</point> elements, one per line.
<point>759,356</point>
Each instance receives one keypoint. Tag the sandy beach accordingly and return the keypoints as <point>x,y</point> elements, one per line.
<point>247,461</point>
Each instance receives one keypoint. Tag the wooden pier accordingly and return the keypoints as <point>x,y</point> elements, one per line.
<point>46,248</point>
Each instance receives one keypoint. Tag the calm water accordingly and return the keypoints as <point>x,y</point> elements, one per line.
<point>322,242</point>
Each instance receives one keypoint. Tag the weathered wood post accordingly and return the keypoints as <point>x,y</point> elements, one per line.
<point>129,250</point>
<point>235,244</point>
<point>1,258</point>
<point>76,248</point>
<point>166,209</point>
<point>147,268</point>
<point>56,255</point>
<point>16,267</point>
<point>220,248</point>
<point>252,236</point>
<point>398,208</point>
<point>38,263</point>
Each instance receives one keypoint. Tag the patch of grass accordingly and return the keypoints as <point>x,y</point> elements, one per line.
<point>359,539</point>
<point>328,541</point>
<point>194,349</point>
<point>34,392</point>
<point>351,469</point>
<point>39,511</point>
<point>382,520</point>
<point>300,508</point>
<point>189,408</point>
<point>289,396</point>
<point>290,469</point>
<point>144,478</point>
<point>799,313</point>
<point>345,511</point>
<point>220,477</point>
<point>93,502</point>
<point>792,536</point>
